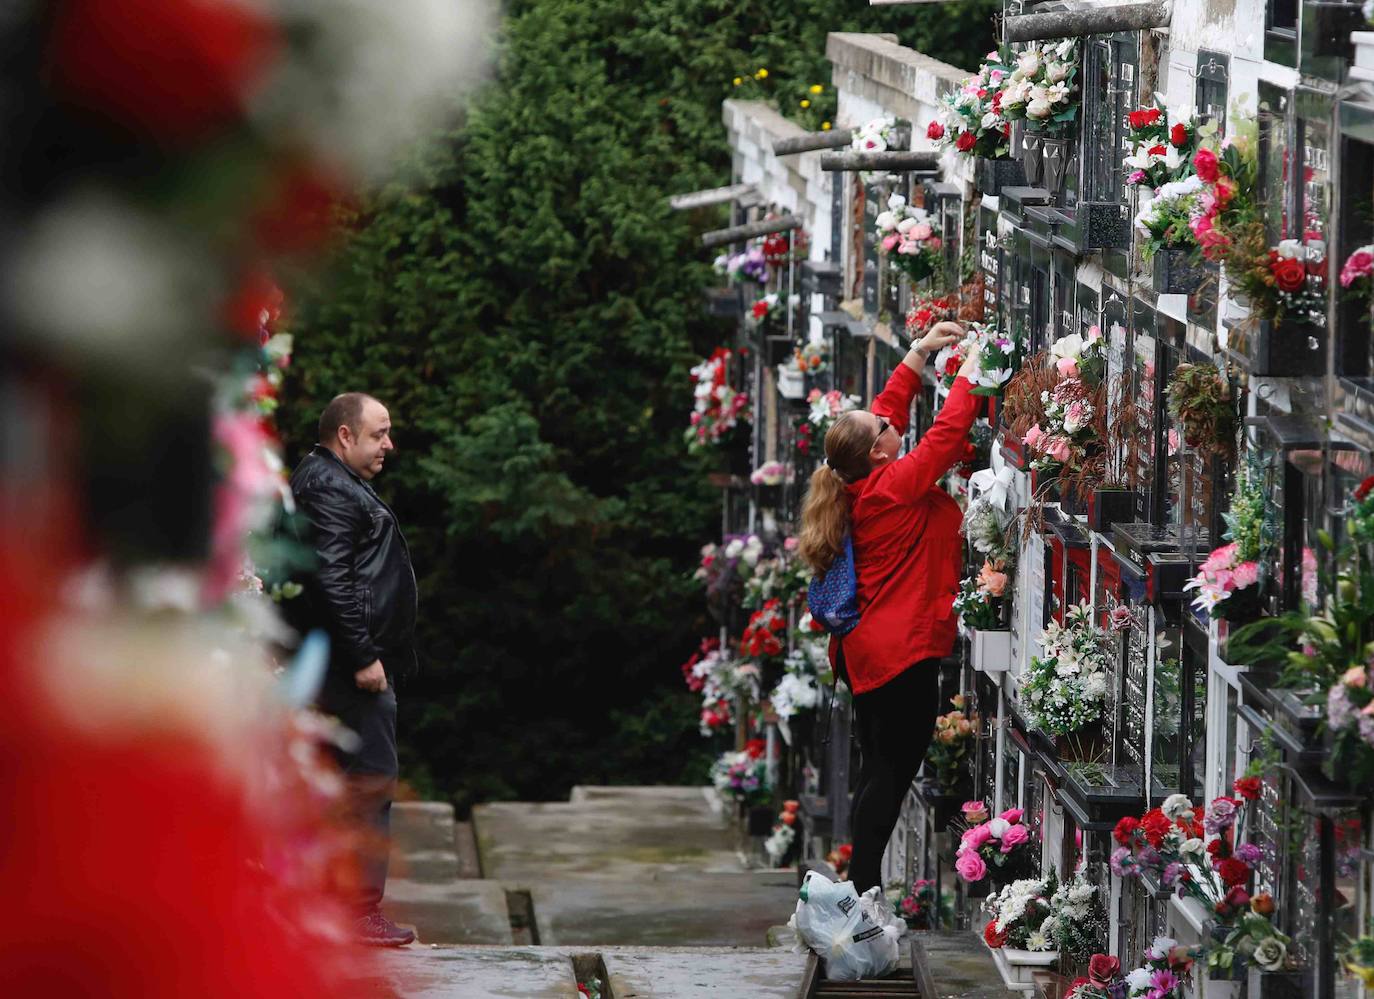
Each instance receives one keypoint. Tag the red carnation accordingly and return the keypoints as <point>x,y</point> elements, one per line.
<point>1143,118</point>
<point>1178,135</point>
<point>1218,848</point>
<point>755,748</point>
<point>935,130</point>
<point>1249,787</point>
<point>994,939</point>
<point>1158,150</point>
<point>1289,274</point>
<point>1125,830</point>
<point>760,309</point>
<point>1362,490</point>
<point>1156,826</point>
<point>1205,163</point>
<point>965,141</point>
<point>845,850</point>
<point>1233,872</point>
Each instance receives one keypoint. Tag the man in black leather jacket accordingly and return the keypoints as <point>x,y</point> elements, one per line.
<point>363,594</point>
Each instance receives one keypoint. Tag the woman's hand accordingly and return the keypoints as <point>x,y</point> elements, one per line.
<point>970,365</point>
<point>941,335</point>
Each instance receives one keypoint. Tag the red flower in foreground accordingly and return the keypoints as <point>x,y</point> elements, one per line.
<point>1289,274</point>
<point>1125,830</point>
<point>1205,163</point>
<point>1103,969</point>
<point>175,68</point>
<point>300,209</point>
<point>1156,826</point>
<point>935,130</point>
<point>965,142</point>
<point>1362,490</point>
<point>255,307</point>
<point>1233,872</point>
<point>1249,787</point>
<point>1158,150</point>
<point>1143,118</point>
<point>1178,135</point>
<point>992,937</point>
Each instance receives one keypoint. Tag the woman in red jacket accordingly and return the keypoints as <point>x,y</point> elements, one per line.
<point>907,556</point>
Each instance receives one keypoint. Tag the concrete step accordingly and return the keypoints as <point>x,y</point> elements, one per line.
<point>457,912</point>
<point>423,847</point>
<point>546,972</point>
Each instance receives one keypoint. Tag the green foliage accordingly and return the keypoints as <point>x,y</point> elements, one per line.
<point>528,307</point>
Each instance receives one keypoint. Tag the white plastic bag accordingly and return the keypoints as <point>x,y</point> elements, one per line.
<point>855,937</point>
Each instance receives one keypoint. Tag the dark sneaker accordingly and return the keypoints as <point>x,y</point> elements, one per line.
<point>377,930</point>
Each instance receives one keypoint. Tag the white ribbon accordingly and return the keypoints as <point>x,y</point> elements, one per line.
<point>992,485</point>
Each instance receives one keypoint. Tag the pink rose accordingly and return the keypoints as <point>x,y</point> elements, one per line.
<point>1033,436</point>
<point>889,242</point>
<point>1360,264</point>
<point>1068,367</point>
<point>921,231</point>
<point>1012,815</point>
<point>971,867</point>
<point>1014,837</point>
<point>975,838</point>
<point>1057,447</point>
<point>909,248</point>
<point>974,811</point>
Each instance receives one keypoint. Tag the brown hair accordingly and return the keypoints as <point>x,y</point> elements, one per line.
<point>825,511</point>
<point>343,411</point>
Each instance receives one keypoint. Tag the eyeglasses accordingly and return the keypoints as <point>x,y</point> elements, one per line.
<point>882,429</point>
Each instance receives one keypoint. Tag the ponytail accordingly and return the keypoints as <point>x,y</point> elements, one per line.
<point>824,520</point>
<point>825,511</point>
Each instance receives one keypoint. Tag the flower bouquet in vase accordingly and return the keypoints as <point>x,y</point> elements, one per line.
<point>922,906</point>
<point>908,239</point>
<point>999,358</point>
<point>980,605</point>
<point>950,748</point>
<point>1065,688</point>
<point>1015,931</point>
<point>1229,585</point>
<point>996,851</point>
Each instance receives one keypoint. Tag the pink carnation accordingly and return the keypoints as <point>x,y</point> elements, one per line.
<point>1245,574</point>
<point>1359,264</point>
<point>889,242</point>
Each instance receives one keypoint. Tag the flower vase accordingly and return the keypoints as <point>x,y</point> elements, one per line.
<point>1054,160</point>
<point>1031,162</point>
<point>1176,272</point>
<point>1276,984</point>
<point>990,651</point>
<point>995,174</point>
<point>1086,745</point>
<point>1110,506</point>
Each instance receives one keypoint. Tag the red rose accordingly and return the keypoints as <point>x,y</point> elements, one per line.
<point>935,130</point>
<point>1289,274</point>
<point>1156,826</point>
<point>1205,163</point>
<point>1125,830</point>
<point>1362,490</point>
<point>1159,150</point>
<point>1143,118</point>
<point>1103,969</point>
<point>760,309</point>
<point>1233,872</point>
<point>993,938</point>
<point>1178,135</point>
<point>1249,787</point>
<point>965,141</point>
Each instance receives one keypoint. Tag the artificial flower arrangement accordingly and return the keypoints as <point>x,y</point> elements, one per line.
<point>770,473</point>
<point>824,409</point>
<point>999,357</point>
<point>908,240</point>
<point>1042,88</point>
<point>1166,218</point>
<point>1103,980</point>
<point>813,357</point>
<point>1229,584</point>
<point>765,636</point>
<point>1358,267</point>
<point>949,749</point>
<point>1201,404</point>
<point>718,408</point>
<point>874,136</point>
<point>806,670</point>
<point>839,858</point>
<point>970,118</point>
<point>1161,150</point>
<point>1298,269</point>
<point>1066,687</point>
<point>742,775</point>
<point>1206,860</point>
<point>725,566</point>
<point>784,834</point>
<point>1001,849</point>
<point>1164,972</point>
<point>766,310</point>
<point>927,310</point>
<point>1018,915</point>
<point>723,681</point>
<point>781,577</point>
<point>922,906</point>
<point>1078,919</point>
<point>1069,425</point>
<point>949,360</point>
<point>750,264</point>
<point>981,598</point>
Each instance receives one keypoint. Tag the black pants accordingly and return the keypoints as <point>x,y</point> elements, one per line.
<point>894,725</point>
<point>370,774</point>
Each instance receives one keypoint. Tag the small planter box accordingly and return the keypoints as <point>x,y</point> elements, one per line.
<point>990,651</point>
<point>993,175</point>
<point>1110,506</point>
<point>1287,350</point>
<point>1018,966</point>
<point>1177,273</point>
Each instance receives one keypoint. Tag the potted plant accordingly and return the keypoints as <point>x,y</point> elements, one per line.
<point>1201,404</point>
<point>1066,687</point>
<point>980,605</point>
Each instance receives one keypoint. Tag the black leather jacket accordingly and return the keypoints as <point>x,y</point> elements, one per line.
<point>363,591</point>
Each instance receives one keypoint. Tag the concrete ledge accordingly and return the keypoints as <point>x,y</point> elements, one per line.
<point>894,76</point>
<point>459,912</point>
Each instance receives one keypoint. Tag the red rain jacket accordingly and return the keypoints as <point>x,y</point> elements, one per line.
<point>907,548</point>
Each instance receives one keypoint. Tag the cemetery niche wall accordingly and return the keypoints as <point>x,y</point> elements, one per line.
<point>1163,669</point>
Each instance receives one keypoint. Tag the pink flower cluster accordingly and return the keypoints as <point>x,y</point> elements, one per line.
<point>981,844</point>
<point>1220,576</point>
<point>1358,266</point>
<point>1054,446</point>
